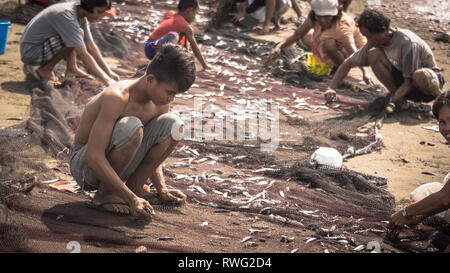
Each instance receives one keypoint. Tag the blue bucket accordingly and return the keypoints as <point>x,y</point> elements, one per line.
<point>4,24</point>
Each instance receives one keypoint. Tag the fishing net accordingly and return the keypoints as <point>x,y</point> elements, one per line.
<point>269,185</point>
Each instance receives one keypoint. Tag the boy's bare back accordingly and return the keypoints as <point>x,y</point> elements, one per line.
<point>114,103</point>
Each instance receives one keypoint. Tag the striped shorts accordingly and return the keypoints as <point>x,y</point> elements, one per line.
<point>50,48</point>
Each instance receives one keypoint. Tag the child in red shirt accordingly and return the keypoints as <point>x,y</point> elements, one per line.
<point>175,27</point>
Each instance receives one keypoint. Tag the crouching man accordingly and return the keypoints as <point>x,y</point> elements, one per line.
<point>61,31</point>
<point>126,133</point>
<point>401,61</point>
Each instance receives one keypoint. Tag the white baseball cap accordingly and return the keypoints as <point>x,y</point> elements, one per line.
<point>325,7</point>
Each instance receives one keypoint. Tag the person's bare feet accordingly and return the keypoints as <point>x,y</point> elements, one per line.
<point>111,203</point>
<point>138,191</point>
<point>77,73</point>
<point>48,75</point>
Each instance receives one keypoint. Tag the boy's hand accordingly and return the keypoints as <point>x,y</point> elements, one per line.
<point>238,15</point>
<point>108,81</point>
<point>141,208</point>
<point>275,52</point>
<point>114,76</point>
<point>172,196</point>
<point>330,95</point>
<point>398,220</point>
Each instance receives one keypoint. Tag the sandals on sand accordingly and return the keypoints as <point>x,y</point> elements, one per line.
<point>33,70</point>
<point>102,207</point>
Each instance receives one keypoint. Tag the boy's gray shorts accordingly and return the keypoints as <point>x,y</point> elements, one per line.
<point>155,131</point>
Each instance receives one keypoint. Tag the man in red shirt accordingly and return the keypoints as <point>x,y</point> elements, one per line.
<point>175,27</point>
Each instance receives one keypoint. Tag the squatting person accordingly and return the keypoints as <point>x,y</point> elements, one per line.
<point>401,60</point>
<point>61,31</point>
<point>126,133</point>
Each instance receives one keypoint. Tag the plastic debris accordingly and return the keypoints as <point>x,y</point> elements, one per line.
<point>424,190</point>
<point>328,157</point>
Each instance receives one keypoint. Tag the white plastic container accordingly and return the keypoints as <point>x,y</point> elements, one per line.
<point>424,190</point>
<point>328,157</point>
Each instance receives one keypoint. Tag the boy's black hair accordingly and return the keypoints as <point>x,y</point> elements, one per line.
<point>185,4</point>
<point>374,21</point>
<point>89,5</point>
<point>443,99</point>
<point>172,63</point>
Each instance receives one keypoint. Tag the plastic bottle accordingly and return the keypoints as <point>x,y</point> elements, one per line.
<point>390,107</point>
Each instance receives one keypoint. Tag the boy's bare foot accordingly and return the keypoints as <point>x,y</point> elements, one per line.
<point>138,191</point>
<point>111,203</point>
<point>46,75</point>
<point>77,73</point>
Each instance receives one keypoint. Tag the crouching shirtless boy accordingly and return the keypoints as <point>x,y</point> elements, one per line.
<point>126,133</point>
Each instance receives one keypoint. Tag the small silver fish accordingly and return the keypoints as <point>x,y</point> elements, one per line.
<point>359,248</point>
<point>165,239</point>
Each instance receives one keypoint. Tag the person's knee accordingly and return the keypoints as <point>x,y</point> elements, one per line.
<point>172,126</point>
<point>421,75</point>
<point>329,46</point>
<point>136,139</point>
<point>375,55</point>
<point>122,130</point>
<point>426,80</point>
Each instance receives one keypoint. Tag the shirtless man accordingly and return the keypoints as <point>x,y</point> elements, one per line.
<point>126,133</point>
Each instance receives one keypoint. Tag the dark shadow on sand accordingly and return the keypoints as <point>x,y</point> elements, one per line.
<point>93,225</point>
<point>15,87</point>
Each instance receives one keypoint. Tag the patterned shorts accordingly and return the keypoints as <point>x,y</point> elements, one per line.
<point>155,132</point>
<point>50,48</point>
<point>152,45</point>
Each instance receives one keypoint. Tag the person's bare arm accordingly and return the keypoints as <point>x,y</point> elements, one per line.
<point>430,205</point>
<point>95,52</point>
<point>367,77</point>
<point>346,4</point>
<point>402,91</point>
<point>92,65</point>
<point>341,73</point>
<point>298,34</point>
<point>157,177</point>
<point>296,8</point>
<point>189,32</point>
<point>270,9</point>
<point>111,106</point>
